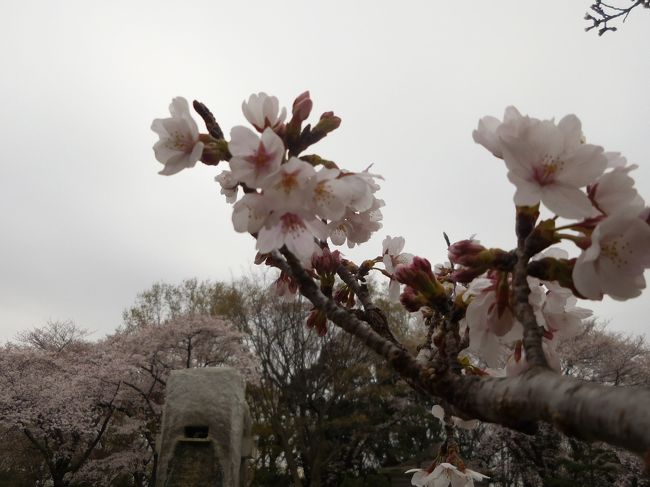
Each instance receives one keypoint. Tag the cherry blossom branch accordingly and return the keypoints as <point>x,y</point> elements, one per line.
<point>290,207</point>
<point>397,357</point>
<point>618,415</point>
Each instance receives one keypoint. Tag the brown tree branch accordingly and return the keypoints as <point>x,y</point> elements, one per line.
<point>618,415</point>
<point>523,311</point>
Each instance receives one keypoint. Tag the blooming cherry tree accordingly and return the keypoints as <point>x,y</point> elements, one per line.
<point>502,308</point>
<point>61,399</point>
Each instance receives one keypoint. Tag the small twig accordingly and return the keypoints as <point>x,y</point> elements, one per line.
<point>602,13</point>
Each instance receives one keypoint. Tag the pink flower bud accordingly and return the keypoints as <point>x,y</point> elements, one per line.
<point>417,273</point>
<point>327,123</point>
<point>412,300</point>
<point>345,296</point>
<point>327,262</point>
<point>285,285</point>
<point>464,252</point>
<point>466,274</point>
<point>301,108</point>
<point>418,276</point>
<point>317,320</point>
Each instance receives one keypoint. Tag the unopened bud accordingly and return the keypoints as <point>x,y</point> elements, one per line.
<point>301,108</point>
<point>345,296</point>
<point>317,320</point>
<point>285,285</point>
<point>476,259</point>
<point>418,275</point>
<point>214,150</point>
<point>466,274</point>
<point>412,300</point>
<point>327,262</point>
<point>465,252</point>
<point>327,123</point>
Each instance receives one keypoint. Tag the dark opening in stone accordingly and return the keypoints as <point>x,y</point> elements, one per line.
<point>196,432</point>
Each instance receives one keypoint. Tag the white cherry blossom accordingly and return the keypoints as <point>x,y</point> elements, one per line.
<point>615,159</point>
<point>229,186</point>
<point>489,128</point>
<point>290,188</point>
<point>333,193</point>
<point>250,213</point>
<point>295,232</point>
<point>445,475</point>
<point>550,163</point>
<point>614,192</point>
<point>262,111</point>
<point>559,312</point>
<point>392,256</point>
<point>616,259</point>
<point>254,159</point>
<point>356,228</point>
<point>482,310</point>
<point>363,187</point>
<point>179,146</point>
<point>489,331</point>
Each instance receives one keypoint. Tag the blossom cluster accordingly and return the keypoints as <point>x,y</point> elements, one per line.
<point>552,164</point>
<point>286,199</point>
<point>493,328</point>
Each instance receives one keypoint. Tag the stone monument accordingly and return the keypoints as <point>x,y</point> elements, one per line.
<point>206,430</point>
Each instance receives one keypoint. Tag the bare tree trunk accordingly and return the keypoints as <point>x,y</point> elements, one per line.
<point>288,453</point>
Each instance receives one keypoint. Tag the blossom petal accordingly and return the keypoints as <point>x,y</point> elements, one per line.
<point>567,201</point>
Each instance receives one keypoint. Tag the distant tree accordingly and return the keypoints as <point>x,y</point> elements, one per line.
<point>60,393</point>
<point>55,336</point>
<point>600,355</point>
<point>325,410</point>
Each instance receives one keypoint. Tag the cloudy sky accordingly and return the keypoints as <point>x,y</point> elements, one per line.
<point>87,223</point>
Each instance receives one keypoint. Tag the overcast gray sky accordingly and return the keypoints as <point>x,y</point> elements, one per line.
<point>87,223</point>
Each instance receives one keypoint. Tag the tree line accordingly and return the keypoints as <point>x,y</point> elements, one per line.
<point>326,411</point>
